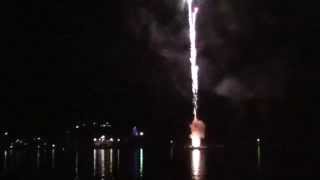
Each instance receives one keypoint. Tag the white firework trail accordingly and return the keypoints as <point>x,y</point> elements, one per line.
<point>197,126</point>
<point>192,16</point>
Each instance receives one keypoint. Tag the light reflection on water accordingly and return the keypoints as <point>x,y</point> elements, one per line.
<point>198,164</point>
<point>77,166</point>
<point>141,163</point>
<point>94,162</point>
<point>138,168</point>
<point>258,155</point>
<point>38,159</point>
<point>106,164</point>
<point>53,158</point>
<point>118,160</point>
<point>5,164</point>
<point>104,161</point>
<point>110,162</point>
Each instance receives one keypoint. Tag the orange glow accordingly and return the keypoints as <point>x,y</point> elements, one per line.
<point>197,132</point>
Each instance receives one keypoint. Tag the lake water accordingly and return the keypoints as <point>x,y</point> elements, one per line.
<point>164,163</point>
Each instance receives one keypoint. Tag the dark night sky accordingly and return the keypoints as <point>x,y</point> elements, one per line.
<point>125,61</point>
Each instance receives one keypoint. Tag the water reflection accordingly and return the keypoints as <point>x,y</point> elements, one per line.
<point>110,162</point>
<point>77,166</point>
<point>104,161</point>
<point>198,164</point>
<point>118,160</point>
<point>258,154</point>
<point>53,158</point>
<point>94,162</point>
<point>171,153</point>
<point>138,163</point>
<point>10,159</point>
<point>141,163</point>
<point>5,164</point>
<point>38,159</point>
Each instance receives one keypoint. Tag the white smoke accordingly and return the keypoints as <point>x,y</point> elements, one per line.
<point>232,88</point>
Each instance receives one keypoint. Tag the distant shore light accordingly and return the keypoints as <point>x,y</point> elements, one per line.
<point>103,137</point>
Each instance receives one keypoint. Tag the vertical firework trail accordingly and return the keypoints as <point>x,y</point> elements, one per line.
<point>192,15</point>
<point>197,126</point>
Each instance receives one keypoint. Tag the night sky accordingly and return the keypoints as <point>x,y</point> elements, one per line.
<point>127,62</point>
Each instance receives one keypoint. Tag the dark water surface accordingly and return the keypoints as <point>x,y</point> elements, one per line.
<point>165,163</point>
<point>112,163</point>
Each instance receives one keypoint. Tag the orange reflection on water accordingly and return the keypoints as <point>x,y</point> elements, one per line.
<point>196,157</point>
<point>197,164</point>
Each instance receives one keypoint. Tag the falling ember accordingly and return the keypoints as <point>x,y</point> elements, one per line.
<point>197,126</point>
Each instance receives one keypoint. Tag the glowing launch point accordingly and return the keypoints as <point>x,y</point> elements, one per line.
<point>195,141</point>
<point>197,133</point>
